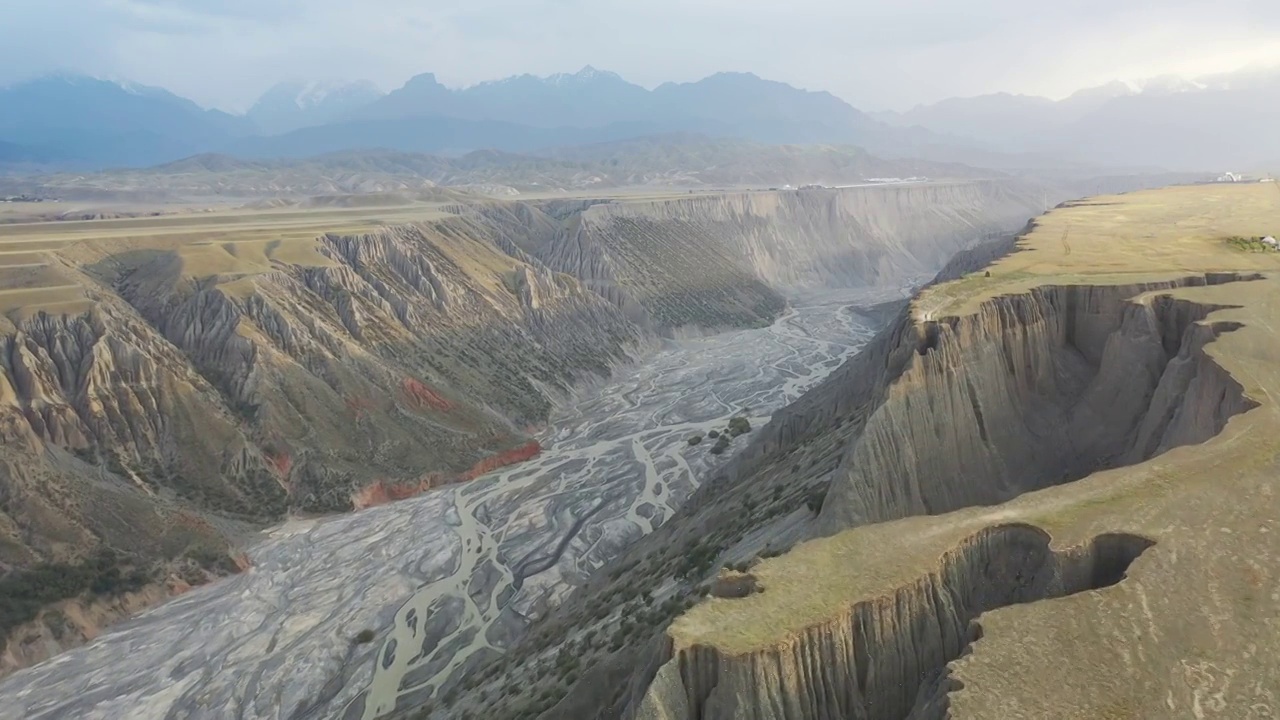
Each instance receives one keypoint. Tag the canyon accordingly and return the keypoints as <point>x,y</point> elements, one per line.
<point>201,377</point>
<point>957,470</point>
<point>1068,444</point>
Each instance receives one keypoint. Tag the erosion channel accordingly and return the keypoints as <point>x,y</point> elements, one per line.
<point>277,641</point>
<point>358,615</point>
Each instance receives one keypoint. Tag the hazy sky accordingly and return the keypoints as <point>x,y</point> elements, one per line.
<point>874,53</point>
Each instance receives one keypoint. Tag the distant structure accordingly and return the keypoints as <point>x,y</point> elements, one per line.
<point>1270,240</point>
<point>1229,177</point>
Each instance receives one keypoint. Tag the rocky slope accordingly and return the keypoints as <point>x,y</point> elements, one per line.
<point>180,404</point>
<point>1032,391</point>
<point>1036,444</point>
<point>720,260</point>
<point>198,388</point>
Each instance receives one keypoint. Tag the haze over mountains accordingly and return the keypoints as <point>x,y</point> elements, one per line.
<point>1226,121</point>
<point>1220,122</point>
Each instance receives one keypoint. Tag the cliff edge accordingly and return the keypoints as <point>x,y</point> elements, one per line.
<point>1045,490</point>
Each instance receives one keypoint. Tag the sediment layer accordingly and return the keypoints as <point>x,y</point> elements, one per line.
<point>1030,391</point>
<point>201,387</point>
<point>886,658</point>
<point>723,260</point>
<point>1042,423</point>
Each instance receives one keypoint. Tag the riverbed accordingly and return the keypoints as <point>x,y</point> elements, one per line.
<point>457,572</point>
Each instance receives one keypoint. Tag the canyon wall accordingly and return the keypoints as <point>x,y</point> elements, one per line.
<point>885,658</point>
<point>209,387</point>
<point>726,259</point>
<point>1030,391</point>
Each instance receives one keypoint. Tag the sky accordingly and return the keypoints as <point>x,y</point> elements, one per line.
<point>875,54</point>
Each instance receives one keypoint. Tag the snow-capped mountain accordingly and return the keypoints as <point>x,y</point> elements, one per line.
<point>585,75</point>
<point>298,104</point>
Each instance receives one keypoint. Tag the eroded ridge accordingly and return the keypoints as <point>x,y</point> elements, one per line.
<point>886,658</point>
<point>1036,390</point>
<point>1032,391</point>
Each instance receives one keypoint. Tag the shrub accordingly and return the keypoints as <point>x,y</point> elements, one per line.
<point>721,445</point>
<point>695,439</point>
<point>713,434</point>
<point>364,637</point>
<point>739,426</point>
<point>24,592</point>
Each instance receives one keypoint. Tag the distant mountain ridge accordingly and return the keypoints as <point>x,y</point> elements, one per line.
<point>297,104</point>
<point>1216,121</point>
<point>101,122</point>
<point>517,114</point>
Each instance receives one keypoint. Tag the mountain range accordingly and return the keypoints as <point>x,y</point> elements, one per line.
<point>1224,121</point>
<point>73,122</point>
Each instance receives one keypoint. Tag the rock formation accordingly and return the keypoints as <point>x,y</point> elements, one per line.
<point>886,658</point>
<point>1014,441</point>
<point>201,386</point>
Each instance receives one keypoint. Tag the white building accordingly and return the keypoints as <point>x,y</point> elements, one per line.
<point>1269,240</point>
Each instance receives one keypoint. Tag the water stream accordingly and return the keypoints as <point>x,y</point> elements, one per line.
<point>454,573</point>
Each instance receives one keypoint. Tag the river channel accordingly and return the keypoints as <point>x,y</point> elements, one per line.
<point>454,572</point>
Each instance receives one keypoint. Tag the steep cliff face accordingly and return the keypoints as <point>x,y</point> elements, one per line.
<point>1031,391</point>
<point>886,658</point>
<point>723,260</point>
<point>241,393</point>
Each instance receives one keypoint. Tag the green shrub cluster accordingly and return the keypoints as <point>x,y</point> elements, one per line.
<point>23,593</point>
<point>1251,244</point>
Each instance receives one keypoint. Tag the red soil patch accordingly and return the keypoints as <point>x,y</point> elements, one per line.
<point>423,396</point>
<point>527,451</point>
<point>281,462</point>
<point>359,406</point>
<point>381,492</point>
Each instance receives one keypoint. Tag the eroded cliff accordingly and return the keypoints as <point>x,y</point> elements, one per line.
<point>206,390</point>
<point>1011,440</point>
<point>1031,391</point>
<point>175,386</point>
<point>884,658</point>
<point>722,260</point>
